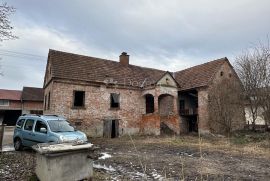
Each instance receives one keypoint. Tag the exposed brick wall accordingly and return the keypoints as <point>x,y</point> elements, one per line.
<point>31,105</point>
<point>203,116</point>
<point>225,72</point>
<point>97,107</point>
<point>150,124</point>
<point>165,105</point>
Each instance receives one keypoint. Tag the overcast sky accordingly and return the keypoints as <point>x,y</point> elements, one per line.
<point>169,35</point>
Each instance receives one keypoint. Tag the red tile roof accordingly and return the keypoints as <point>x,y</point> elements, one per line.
<point>32,94</point>
<point>10,94</point>
<point>199,75</point>
<point>78,67</point>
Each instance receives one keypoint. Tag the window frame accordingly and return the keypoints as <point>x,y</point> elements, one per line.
<point>28,119</point>
<point>43,124</point>
<point>22,125</point>
<point>4,100</point>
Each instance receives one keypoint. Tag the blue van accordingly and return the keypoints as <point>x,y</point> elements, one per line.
<point>34,129</point>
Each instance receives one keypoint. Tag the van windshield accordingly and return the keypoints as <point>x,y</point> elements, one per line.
<point>60,126</point>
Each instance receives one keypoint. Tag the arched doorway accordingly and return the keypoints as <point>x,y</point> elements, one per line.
<point>166,107</point>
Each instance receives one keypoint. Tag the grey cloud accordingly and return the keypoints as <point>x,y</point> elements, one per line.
<point>153,32</point>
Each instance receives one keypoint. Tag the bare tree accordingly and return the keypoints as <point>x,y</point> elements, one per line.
<point>253,70</point>
<point>5,24</point>
<point>225,105</point>
<point>264,90</point>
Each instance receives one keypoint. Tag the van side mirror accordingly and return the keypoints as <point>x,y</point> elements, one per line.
<point>43,130</point>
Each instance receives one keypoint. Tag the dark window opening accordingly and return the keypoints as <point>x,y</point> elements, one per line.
<point>230,75</point>
<point>221,73</point>
<point>149,103</point>
<point>49,101</point>
<point>115,100</point>
<point>45,102</point>
<point>79,97</point>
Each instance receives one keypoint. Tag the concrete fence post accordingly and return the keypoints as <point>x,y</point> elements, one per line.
<point>2,131</point>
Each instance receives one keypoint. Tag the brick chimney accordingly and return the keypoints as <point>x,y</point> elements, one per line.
<point>124,59</point>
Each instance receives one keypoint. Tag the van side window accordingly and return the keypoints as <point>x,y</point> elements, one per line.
<point>39,126</point>
<point>29,124</point>
<point>20,123</point>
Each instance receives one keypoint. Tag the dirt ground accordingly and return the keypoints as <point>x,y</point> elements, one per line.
<point>161,158</point>
<point>180,159</point>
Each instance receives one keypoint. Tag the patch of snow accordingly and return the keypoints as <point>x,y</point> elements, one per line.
<point>105,155</point>
<point>98,166</point>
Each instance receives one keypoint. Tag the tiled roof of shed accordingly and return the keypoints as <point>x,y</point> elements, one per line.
<point>199,75</point>
<point>32,94</point>
<point>10,94</point>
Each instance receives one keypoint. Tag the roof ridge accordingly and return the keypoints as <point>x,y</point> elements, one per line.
<point>212,61</point>
<point>10,90</point>
<point>103,59</point>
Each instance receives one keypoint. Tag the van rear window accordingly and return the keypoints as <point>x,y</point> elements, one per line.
<point>20,123</point>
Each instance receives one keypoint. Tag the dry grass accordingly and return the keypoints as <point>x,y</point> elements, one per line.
<point>232,145</point>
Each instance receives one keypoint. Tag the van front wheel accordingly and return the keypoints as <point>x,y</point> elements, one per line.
<point>18,144</point>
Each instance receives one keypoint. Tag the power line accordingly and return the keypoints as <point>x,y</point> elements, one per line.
<point>20,53</point>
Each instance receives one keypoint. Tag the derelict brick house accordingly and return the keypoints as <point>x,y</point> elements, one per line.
<point>109,98</point>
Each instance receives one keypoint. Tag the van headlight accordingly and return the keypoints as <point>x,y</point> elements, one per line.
<point>84,137</point>
<point>61,139</point>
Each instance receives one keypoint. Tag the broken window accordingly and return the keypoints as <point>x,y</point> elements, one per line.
<point>115,103</point>
<point>78,99</point>
<point>149,103</point>
<point>221,73</point>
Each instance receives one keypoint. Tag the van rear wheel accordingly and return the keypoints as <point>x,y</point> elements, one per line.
<point>18,144</point>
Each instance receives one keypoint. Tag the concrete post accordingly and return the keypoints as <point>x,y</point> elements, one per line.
<point>2,131</point>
